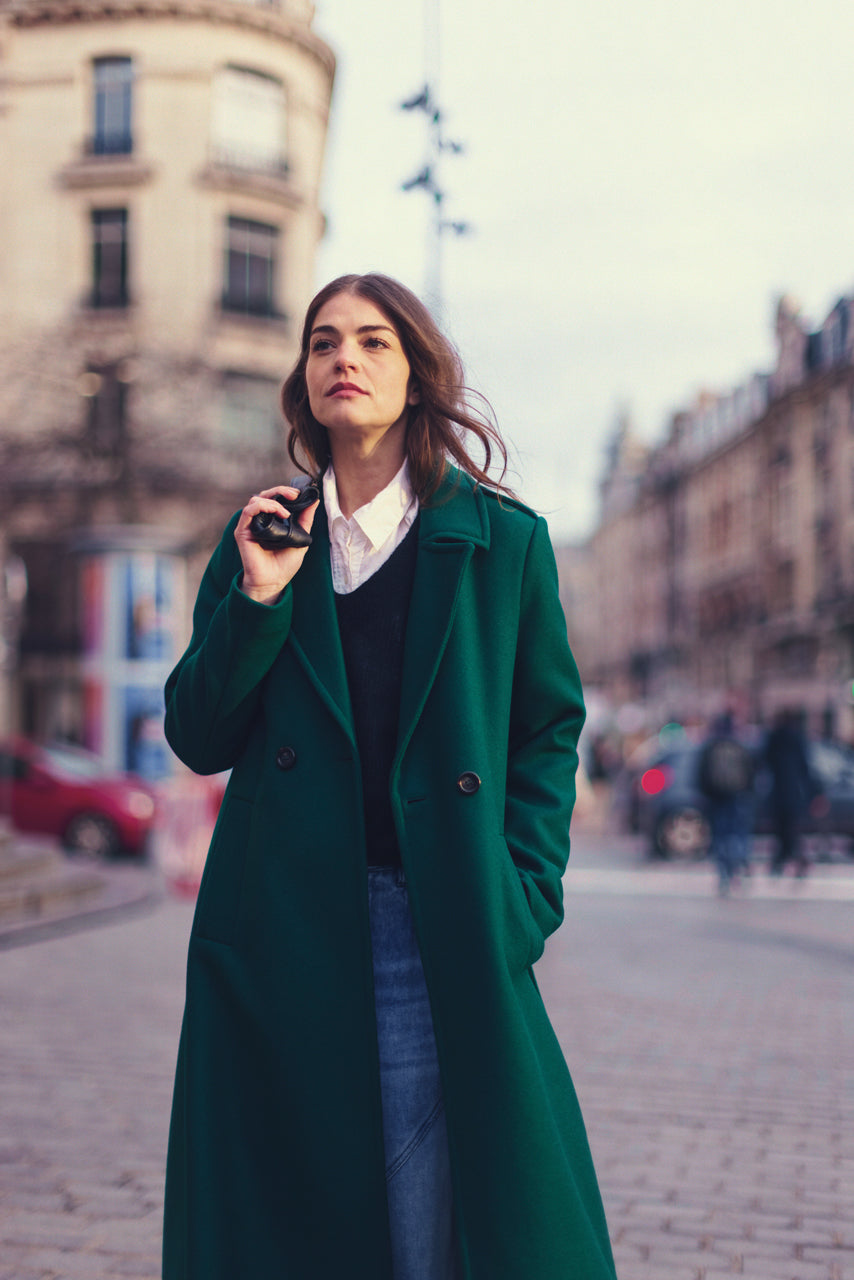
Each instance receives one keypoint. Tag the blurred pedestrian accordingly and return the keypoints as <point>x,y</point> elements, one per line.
<point>727,772</point>
<point>792,789</point>
<point>368,1085</point>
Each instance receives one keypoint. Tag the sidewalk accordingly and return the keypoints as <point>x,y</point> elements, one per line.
<point>699,880</point>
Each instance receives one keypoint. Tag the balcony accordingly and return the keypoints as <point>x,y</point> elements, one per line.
<point>105,162</point>
<point>242,172</point>
<point>248,162</point>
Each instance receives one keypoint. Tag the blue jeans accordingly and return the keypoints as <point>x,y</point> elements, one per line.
<point>418,1170</point>
<point>731,821</point>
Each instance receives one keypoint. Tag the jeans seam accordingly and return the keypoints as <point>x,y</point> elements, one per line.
<point>415,1142</point>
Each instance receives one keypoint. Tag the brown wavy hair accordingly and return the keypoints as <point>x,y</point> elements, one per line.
<point>440,424</point>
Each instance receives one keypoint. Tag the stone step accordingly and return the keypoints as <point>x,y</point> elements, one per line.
<point>49,897</point>
<point>38,882</point>
<point>26,861</point>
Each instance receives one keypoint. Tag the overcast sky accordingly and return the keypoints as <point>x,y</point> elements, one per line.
<point>643,180</point>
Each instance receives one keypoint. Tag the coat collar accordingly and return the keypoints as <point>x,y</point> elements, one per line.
<point>456,514</point>
<point>451,527</point>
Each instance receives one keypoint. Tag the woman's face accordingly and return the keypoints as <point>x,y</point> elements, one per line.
<point>357,374</point>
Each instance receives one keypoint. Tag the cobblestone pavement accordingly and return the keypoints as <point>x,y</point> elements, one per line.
<point>711,1042</point>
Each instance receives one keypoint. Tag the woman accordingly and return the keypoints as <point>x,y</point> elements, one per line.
<point>368,1084</point>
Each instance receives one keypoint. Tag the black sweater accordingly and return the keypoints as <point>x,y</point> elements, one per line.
<point>372,622</point>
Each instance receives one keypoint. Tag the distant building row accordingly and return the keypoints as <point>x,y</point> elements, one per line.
<point>723,560</point>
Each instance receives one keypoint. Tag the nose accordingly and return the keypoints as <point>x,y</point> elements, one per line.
<point>346,356</point>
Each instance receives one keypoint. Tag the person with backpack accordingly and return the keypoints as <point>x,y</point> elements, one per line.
<point>726,775</point>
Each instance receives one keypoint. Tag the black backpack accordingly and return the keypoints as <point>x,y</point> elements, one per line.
<point>726,768</point>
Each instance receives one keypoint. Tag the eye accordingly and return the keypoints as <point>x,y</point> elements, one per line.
<point>375,343</point>
<point>321,344</point>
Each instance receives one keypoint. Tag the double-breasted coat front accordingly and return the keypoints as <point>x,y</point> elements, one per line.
<point>276,1165</point>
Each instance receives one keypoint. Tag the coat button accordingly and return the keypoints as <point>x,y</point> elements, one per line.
<point>468,783</point>
<point>286,757</point>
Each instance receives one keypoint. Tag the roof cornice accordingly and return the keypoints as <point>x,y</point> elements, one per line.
<point>267,17</point>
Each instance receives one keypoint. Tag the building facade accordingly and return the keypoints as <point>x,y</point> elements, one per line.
<point>723,559</point>
<point>159,219</point>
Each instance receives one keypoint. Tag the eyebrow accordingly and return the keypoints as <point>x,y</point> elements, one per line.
<point>363,328</point>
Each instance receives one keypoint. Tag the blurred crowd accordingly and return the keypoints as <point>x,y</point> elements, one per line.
<point>706,788</point>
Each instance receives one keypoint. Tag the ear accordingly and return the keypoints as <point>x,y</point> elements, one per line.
<point>413,395</point>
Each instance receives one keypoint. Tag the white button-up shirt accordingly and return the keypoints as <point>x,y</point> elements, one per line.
<point>361,545</point>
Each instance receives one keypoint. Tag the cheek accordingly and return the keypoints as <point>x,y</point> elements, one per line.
<point>403,387</point>
<point>311,386</point>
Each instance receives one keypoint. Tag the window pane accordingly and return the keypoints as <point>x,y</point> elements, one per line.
<point>248,120</point>
<point>106,409</point>
<point>259,284</point>
<point>250,267</point>
<point>250,411</point>
<point>109,257</point>
<point>113,92</point>
<point>236,281</point>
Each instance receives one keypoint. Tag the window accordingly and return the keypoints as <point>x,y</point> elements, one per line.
<point>248,125</point>
<point>109,258</point>
<point>250,267</point>
<point>113,94</point>
<point>250,414</point>
<point>105,390</point>
<point>52,616</point>
<point>783,587</point>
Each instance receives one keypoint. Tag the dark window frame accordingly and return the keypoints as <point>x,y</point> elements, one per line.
<point>251,262</point>
<point>109,258</point>
<point>106,418</point>
<point>113,106</point>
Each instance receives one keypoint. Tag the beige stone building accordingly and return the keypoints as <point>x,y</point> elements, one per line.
<point>159,218</point>
<point>723,560</point>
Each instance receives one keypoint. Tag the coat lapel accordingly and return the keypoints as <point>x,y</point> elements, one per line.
<point>451,527</point>
<point>314,629</point>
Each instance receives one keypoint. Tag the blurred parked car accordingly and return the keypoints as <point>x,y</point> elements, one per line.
<point>664,800</point>
<point>66,792</point>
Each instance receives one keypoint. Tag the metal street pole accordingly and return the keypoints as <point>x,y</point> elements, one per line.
<point>428,178</point>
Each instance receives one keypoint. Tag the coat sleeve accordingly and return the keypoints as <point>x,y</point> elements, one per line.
<point>547,713</point>
<point>212,695</point>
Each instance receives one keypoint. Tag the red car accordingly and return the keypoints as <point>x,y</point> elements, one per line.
<point>66,792</point>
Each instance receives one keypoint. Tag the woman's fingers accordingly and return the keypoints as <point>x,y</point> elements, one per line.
<point>267,572</point>
<point>266,501</point>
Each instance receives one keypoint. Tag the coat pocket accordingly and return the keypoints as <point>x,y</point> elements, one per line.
<point>524,942</point>
<point>220,892</point>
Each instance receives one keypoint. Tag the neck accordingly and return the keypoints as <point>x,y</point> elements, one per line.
<point>360,477</point>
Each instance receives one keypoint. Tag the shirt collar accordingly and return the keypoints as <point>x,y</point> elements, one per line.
<point>379,518</point>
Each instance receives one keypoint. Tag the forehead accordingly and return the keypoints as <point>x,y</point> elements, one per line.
<point>351,311</point>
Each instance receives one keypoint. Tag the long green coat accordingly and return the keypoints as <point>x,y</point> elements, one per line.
<point>276,1168</point>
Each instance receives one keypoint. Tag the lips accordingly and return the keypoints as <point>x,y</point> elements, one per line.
<point>345,389</point>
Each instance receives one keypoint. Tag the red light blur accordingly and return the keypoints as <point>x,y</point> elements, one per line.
<point>654,781</point>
